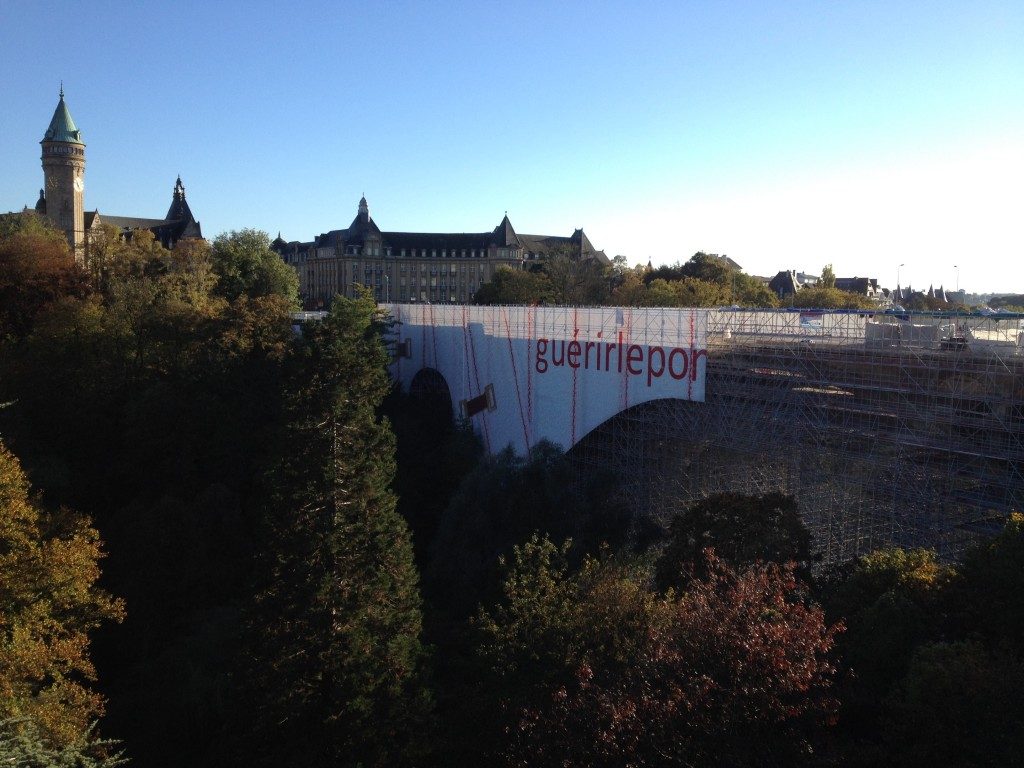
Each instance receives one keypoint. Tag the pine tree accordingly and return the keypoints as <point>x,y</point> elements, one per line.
<point>337,650</point>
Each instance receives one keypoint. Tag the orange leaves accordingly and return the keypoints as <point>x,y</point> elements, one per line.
<point>48,603</point>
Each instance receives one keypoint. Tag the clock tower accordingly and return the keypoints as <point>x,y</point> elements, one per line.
<point>64,176</point>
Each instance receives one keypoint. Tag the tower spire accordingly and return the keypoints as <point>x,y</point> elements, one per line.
<point>63,158</point>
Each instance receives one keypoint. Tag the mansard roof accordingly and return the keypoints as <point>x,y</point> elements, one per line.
<point>132,222</point>
<point>504,235</point>
<point>62,127</point>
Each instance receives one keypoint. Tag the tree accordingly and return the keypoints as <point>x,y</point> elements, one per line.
<point>987,595</point>
<point>828,277</point>
<point>819,297</point>
<point>501,502</point>
<point>23,746</point>
<point>49,603</point>
<point>598,669</point>
<point>660,293</point>
<point>36,269</point>
<point>890,602</point>
<point>153,405</point>
<point>959,704</point>
<point>749,291</point>
<point>513,286</point>
<point>708,267</point>
<point>741,529</point>
<point>576,281</point>
<point>631,290</point>
<point>245,264</point>
<point>694,292</point>
<point>336,626</point>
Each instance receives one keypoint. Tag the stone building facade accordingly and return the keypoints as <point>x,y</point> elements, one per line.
<point>62,199</point>
<point>439,268</point>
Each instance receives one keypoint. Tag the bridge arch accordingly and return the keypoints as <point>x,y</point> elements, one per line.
<point>430,391</point>
<point>888,429</point>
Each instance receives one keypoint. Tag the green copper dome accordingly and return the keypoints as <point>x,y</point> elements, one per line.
<point>62,127</point>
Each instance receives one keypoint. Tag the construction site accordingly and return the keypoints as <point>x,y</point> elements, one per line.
<point>888,429</point>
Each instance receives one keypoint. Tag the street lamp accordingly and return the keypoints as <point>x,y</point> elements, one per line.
<point>387,289</point>
<point>957,268</point>
<point>898,267</point>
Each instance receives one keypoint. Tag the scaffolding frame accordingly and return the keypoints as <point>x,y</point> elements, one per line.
<point>889,429</point>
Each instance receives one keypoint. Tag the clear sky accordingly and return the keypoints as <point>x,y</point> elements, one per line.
<point>785,134</point>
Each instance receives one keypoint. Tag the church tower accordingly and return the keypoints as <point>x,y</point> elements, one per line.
<point>64,176</point>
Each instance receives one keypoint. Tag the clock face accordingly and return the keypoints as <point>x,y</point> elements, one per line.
<point>52,184</point>
<point>79,184</point>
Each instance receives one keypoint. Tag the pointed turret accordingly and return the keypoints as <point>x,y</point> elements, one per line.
<point>179,210</point>
<point>362,227</point>
<point>62,127</point>
<point>581,244</point>
<point>64,175</point>
<point>505,235</point>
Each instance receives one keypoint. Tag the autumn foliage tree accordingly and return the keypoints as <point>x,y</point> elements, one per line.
<point>36,269</point>
<point>604,670</point>
<point>49,603</point>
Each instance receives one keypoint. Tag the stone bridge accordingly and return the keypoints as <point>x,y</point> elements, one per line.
<point>890,429</point>
<point>525,374</point>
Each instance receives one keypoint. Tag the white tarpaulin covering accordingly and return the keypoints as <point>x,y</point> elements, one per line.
<point>554,373</point>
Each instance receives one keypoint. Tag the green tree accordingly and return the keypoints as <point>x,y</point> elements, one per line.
<point>819,297</point>
<point>337,624</point>
<point>631,291</point>
<point>660,293</point>
<point>959,704</point>
<point>748,291</point>
<point>23,746</point>
<point>708,267</point>
<point>741,529</point>
<point>49,603</point>
<point>890,602</point>
<point>538,492</point>
<point>828,277</point>
<point>987,595</point>
<point>514,286</point>
<point>575,281</point>
<point>245,264</point>
<point>695,292</point>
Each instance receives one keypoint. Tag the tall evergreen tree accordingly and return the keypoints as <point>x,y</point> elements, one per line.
<point>337,653</point>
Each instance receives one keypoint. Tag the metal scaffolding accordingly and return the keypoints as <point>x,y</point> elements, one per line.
<point>888,429</point>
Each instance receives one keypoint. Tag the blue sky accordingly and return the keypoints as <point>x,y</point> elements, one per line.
<point>788,135</point>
